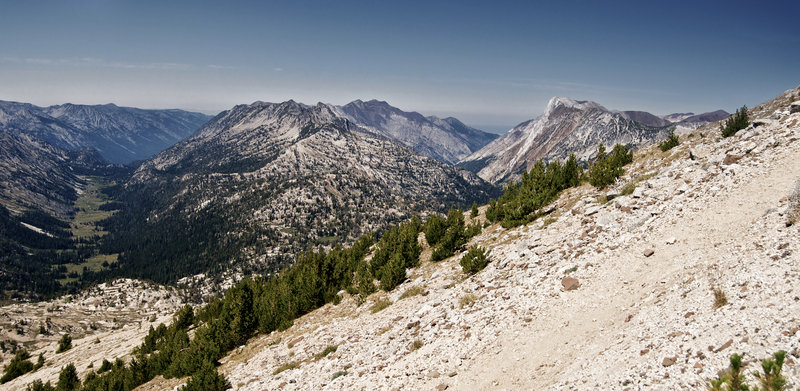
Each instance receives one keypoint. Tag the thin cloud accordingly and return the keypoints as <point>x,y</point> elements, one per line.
<point>277,69</point>
<point>215,66</point>
<point>95,62</point>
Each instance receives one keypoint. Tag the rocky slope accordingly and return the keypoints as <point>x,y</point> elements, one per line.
<point>105,322</point>
<point>120,134</point>
<point>611,292</point>
<point>640,313</point>
<point>569,126</point>
<point>276,179</point>
<point>447,140</point>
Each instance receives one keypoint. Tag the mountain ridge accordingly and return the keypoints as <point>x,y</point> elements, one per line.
<point>568,126</point>
<point>120,134</point>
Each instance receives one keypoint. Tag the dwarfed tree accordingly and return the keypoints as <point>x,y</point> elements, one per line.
<point>64,344</point>
<point>18,366</point>
<point>736,122</point>
<point>68,379</point>
<point>474,260</point>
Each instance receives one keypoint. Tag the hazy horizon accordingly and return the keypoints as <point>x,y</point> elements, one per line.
<point>489,66</point>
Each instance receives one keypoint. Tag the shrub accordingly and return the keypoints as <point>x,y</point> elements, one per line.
<point>338,374</point>
<point>606,168</point>
<point>474,260</point>
<point>64,344</point>
<point>474,211</point>
<point>735,123</point>
<point>770,379</point>
<point>671,142</point>
<point>415,345</point>
<point>18,366</point>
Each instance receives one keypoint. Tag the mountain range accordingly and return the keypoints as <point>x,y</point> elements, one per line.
<point>570,126</point>
<point>261,182</point>
<point>119,134</point>
<point>445,139</point>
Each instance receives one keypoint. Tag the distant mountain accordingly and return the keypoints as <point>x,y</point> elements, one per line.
<point>36,175</point>
<point>646,118</point>
<point>705,118</point>
<point>262,182</point>
<point>696,120</point>
<point>567,126</point>
<point>676,117</point>
<point>120,134</point>
<point>447,140</point>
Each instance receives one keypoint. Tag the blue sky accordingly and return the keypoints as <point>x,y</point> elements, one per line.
<point>491,64</point>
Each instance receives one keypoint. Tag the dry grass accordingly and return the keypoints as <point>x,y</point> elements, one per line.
<point>380,305</point>
<point>413,291</point>
<point>286,367</point>
<point>415,345</point>
<point>467,300</point>
<point>720,299</point>
<point>328,350</point>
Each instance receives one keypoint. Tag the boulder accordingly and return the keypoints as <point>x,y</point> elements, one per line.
<point>570,283</point>
<point>794,107</point>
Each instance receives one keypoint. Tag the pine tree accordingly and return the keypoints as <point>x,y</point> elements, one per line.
<point>68,379</point>
<point>18,366</point>
<point>736,122</point>
<point>64,344</point>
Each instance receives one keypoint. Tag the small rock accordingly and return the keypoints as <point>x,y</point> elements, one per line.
<point>441,387</point>
<point>570,283</point>
<point>451,374</point>
<point>648,252</point>
<point>669,361</point>
<point>688,315</point>
<point>592,210</point>
<point>433,374</point>
<point>644,351</point>
<point>724,346</point>
<point>671,240</point>
<point>794,107</point>
<point>730,159</point>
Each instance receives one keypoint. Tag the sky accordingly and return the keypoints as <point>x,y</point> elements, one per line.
<point>490,64</point>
